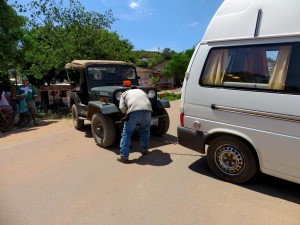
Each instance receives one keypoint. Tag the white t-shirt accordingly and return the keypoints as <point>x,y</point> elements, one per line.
<point>134,100</point>
<point>3,100</point>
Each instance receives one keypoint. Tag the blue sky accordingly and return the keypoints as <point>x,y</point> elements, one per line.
<point>157,24</point>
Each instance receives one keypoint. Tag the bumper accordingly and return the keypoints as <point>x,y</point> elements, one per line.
<point>192,139</point>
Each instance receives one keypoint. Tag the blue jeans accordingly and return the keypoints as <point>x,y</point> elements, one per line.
<point>141,118</point>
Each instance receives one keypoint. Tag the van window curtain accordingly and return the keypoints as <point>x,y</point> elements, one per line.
<point>256,62</point>
<point>215,67</point>
<point>277,80</point>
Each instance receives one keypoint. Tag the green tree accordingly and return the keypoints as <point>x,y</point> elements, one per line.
<point>11,33</point>
<point>177,65</point>
<point>147,59</point>
<point>58,34</point>
<point>155,59</point>
<point>154,80</point>
<point>167,53</point>
<point>142,63</point>
<point>5,83</point>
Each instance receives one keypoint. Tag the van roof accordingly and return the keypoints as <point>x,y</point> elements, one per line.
<point>239,19</point>
<point>81,64</point>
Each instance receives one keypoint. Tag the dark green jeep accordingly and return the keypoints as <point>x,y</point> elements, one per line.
<point>100,85</point>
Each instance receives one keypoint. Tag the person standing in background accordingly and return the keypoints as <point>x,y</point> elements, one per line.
<point>24,115</point>
<point>5,106</point>
<point>5,99</point>
<point>28,91</point>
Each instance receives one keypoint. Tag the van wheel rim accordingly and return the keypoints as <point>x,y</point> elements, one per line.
<point>230,160</point>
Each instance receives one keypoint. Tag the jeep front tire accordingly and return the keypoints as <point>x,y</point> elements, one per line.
<point>163,123</point>
<point>103,129</point>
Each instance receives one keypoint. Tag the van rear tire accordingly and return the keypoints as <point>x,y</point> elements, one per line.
<point>231,159</point>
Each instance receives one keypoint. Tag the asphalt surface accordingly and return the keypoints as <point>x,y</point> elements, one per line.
<point>55,175</point>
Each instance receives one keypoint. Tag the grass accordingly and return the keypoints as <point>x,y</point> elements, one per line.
<point>171,96</point>
<point>54,115</point>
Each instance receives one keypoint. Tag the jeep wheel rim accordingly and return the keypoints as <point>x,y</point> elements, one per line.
<point>99,130</point>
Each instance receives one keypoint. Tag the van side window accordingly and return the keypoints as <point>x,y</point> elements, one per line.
<point>253,67</point>
<point>293,78</point>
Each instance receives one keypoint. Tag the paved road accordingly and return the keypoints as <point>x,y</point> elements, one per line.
<point>55,175</point>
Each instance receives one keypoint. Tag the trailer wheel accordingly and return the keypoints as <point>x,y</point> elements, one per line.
<point>78,123</point>
<point>231,159</point>
<point>103,129</point>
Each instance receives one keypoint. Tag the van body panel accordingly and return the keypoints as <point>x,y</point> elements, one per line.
<point>271,135</point>
<point>187,76</point>
<point>240,19</point>
<point>256,112</point>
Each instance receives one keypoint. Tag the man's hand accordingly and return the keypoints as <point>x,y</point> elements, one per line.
<point>125,118</point>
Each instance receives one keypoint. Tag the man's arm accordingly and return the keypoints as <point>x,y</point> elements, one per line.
<point>122,104</point>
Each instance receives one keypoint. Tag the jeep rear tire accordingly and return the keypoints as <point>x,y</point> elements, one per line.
<point>163,123</point>
<point>78,123</point>
<point>103,129</point>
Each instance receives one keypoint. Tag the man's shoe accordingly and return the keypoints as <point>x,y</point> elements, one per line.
<point>122,159</point>
<point>145,152</point>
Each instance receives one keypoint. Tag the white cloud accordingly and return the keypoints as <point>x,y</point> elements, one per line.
<point>130,10</point>
<point>141,7</point>
<point>193,24</point>
<point>135,10</point>
<point>134,5</point>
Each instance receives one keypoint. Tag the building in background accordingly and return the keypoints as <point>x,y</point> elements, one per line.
<point>146,74</point>
<point>55,94</point>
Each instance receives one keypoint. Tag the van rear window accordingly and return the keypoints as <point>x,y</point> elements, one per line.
<point>254,67</point>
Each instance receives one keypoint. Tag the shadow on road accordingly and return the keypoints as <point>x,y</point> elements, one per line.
<point>17,130</point>
<point>261,183</point>
<point>87,130</point>
<point>155,158</point>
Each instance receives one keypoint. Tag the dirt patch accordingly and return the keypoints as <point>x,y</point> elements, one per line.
<point>45,127</point>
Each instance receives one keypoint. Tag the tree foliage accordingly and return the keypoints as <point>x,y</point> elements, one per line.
<point>177,65</point>
<point>167,53</point>
<point>58,34</point>
<point>148,59</point>
<point>5,83</point>
<point>11,33</point>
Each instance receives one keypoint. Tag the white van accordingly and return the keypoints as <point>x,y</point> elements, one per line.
<point>241,93</point>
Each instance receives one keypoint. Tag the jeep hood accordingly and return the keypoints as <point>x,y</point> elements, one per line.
<point>108,90</point>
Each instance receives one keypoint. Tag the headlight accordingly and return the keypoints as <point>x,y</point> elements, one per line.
<point>151,93</point>
<point>118,95</point>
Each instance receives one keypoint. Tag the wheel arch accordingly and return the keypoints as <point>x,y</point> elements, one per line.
<point>103,108</point>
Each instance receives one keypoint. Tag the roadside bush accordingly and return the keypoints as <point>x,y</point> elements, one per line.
<point>54,115</point>
<point>171,96</point>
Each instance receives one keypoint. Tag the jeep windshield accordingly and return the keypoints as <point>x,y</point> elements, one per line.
<point>111,74</point>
